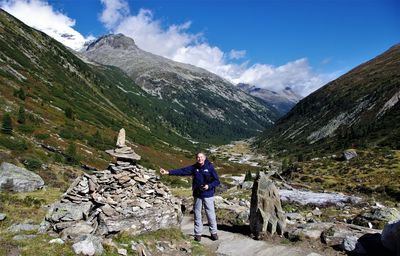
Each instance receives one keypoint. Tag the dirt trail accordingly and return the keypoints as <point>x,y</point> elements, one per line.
<point>235,244</point>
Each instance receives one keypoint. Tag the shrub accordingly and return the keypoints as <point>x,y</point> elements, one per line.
<point>32,163</point>
<point>26,128</point>
<point>248,176</point>
<point>21,115</point>
<point>71,153</point>
<point>42,136</point>
<point>6,127</point>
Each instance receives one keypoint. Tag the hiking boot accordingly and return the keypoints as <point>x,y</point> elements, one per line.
<point>197,238</point>
<point>214,237</point>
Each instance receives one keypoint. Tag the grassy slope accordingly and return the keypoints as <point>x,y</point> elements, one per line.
<point>375,81</point>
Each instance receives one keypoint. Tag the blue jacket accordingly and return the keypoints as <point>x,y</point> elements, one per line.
<point>202,175</point>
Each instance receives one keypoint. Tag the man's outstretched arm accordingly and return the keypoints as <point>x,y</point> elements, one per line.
<point>186,171</point>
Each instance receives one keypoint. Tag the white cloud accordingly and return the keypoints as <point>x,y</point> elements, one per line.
<point>235,55</point>
<point>114,12</point>
<point>297,75</point>
<point>176,43</point>
<point>40,15</point>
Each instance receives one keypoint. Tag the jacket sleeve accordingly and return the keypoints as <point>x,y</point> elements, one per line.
<point>215,181</point>
<point>185,171</point>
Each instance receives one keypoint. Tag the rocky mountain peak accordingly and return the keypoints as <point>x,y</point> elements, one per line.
<point>118,41</point>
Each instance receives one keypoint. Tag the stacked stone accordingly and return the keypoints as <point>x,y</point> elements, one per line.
<point>124,197</point>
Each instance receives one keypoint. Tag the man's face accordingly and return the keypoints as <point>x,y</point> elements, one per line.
<point>200,158</point>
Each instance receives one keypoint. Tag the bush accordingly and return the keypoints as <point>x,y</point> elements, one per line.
<point>28,129</point>
<point>32,163</point>
<point>42,136</point>
<point>6,127</point>
<point>248,176</point>
<point>71,153</point>
<point>13,144</point>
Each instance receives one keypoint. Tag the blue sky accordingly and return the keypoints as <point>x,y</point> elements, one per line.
<point>272,44</point>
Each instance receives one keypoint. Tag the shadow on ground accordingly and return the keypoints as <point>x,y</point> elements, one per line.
<point>370,245</point>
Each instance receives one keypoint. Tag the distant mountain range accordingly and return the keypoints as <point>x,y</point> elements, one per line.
<point>360,108</point>
<point>282,101</point>
<point>203,105</point>
<point>71,95</point>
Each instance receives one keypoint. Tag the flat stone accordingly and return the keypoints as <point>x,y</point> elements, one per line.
<point>23,237</point>
<point>122,252</point>
<point>22,227</point>
<point>3,216</point>
<point>76,230</point>
<point>88,245</point>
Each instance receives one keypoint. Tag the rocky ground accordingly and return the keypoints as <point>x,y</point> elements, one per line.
<point>119,211</point>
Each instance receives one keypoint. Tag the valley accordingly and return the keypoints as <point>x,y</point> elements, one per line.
<point>61,110</point>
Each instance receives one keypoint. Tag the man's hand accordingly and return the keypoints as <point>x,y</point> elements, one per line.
<point>163,171</point>
<point>205,187</point>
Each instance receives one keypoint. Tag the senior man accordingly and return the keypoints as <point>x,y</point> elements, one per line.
<point>204,181</point>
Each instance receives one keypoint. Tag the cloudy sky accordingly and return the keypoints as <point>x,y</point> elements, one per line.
<point>268,43</point>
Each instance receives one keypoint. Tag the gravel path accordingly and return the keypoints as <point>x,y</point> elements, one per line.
<point>235,244</point>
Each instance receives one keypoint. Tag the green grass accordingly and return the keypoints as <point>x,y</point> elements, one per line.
<point>374,172</point>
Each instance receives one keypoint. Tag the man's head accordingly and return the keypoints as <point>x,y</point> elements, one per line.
<point>200,158</point>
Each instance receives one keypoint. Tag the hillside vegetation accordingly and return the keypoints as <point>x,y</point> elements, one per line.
<point>359,109</point>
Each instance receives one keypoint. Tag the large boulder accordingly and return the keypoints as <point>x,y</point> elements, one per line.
<point>266,214</point>
<point>377,217</point>
<point>17,179</point>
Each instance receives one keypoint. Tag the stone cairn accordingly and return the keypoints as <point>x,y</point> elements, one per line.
<point>266,214</point>
<point>124,197</point>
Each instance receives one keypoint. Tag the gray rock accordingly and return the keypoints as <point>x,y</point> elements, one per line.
<point>88,245</point>
<point>121,138</point>
<point>76,230</point>
<point>2,216</point>
<point>391,237</point>
<point>68,211</point>
<point>317,199</point>
<point>378,217</point>
<point>349,154</point>
<point>308,231</point>
<point>247,185</point>
<point>43,227</point>
<point>349,243</point>
<point>56,241</point>
<point>266,214</point>
<point>14,178</point>
<point>23,237</point>
<point>22,227</point>
<point>129,156</point>
<point>295,216</point>
<point>122,251</point>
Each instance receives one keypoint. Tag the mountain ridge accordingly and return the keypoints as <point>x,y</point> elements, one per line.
<point>359,108</point>
<point>192,91</point>
<point>283,100</point>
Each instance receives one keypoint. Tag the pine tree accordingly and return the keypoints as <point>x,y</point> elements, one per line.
<point>72,154</point>
<point>21,115</point>
<point>248,176</point>
<point>7,128</point>
<point>69,113</point>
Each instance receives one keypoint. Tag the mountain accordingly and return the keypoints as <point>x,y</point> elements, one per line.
<point>282,101</point>
<point>360,108</point>
<point>55,98</point>
<point>203,105</point>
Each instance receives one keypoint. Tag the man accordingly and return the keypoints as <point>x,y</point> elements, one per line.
<point>205,179</point>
